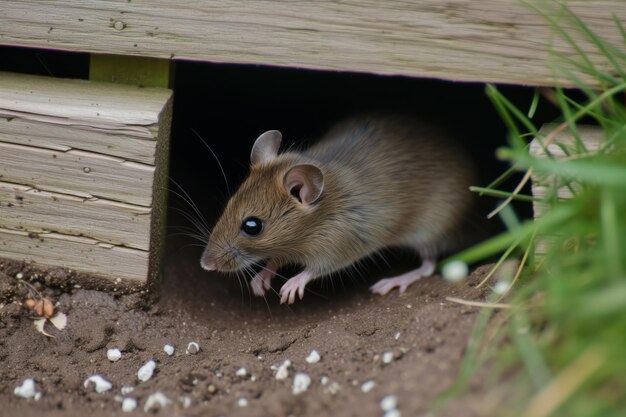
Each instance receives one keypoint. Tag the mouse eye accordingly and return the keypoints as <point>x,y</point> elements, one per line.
<point>252,226</point>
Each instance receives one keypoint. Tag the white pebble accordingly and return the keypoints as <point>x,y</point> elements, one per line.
<point>283,370</point>
<point>397,336</point>
<point>27,389</point>
<point>455,271</point>
<point>242,402</point>
<point>392,413</point>
<point>129,404</point>
<point>242,372</point>
<point>114,355</point>
<point>368,386</point>
<point>388,403</point>
<point>146,371</point>
<point>19,275</point>
<point>387,357</point>
<point>192,348</point>
<point>168,349</point>
<point>333,388</point>
<point>156,401</point>
<point>127,389</point>
<point>185,401</point>
<point>324,380</point>
<point>501,287</point>
<point>314,357</point>
<point>101,384</point>
<point>301,383</point>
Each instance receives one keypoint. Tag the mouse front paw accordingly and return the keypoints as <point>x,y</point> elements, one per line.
<point>294,286</point>
<point>260,283</point>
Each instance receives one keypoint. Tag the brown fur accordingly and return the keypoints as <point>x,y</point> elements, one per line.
<point>388,181</point>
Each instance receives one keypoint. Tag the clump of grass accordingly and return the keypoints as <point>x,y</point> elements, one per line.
<point>563,341</point>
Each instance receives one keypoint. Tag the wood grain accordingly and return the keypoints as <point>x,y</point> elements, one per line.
<point>83,171</point>
<point>466,40</point>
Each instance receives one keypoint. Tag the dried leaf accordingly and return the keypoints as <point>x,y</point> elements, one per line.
<point>39,325</point>
<point>59,321</point>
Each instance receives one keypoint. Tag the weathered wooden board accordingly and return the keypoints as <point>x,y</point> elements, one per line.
<point>468,40</point>
<point>32,210</point>
<point>76,253</point>
<point>83,170</point>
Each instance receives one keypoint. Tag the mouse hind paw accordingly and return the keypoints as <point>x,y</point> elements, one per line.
<point>403,281</point>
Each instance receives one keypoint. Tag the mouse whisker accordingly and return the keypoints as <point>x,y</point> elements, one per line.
<point>216,159</point>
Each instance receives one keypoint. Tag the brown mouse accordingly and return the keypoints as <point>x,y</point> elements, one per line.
<point>372,182</point>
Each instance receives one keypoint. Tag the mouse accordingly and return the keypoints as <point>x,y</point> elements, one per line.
<point>373,181</point>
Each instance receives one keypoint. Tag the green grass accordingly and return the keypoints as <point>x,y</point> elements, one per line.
<point>561,349</point>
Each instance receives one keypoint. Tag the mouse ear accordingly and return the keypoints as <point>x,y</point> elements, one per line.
<point>265,147</point>
<point>305,182</point>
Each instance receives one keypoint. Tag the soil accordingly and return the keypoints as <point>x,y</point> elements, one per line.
<point>348,326</point>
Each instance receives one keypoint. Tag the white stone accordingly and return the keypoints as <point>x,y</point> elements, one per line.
<point>156,401</point>
<point>19,275</point>
<point>146,371</point>
<point>242,402</point>
<point>168,349</point>
<point>101,384</point>
<point>185,401</point>
<point>325,380</point>
<point>127,389</point>
<point>387,357</point>
<point>242,372</point>
<point>27,389</point>
<point>114,355</point>
<point>388,403</point>
<point>392,413</point>
<point>283,370</point>
<point>368,386</point>
<point>333,388</point>
<point>397,336</point>
<point>192,348</point>
<point>455,271</point>
<point>501,287</point>
<point>129,404</point>
<point>301,383</point>
<point>314,357</point>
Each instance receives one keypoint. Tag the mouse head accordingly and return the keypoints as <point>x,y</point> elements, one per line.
<point>271,213</point>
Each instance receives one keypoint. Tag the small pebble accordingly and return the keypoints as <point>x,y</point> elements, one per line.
<point>129,404</point>
<point>324,380</point>
<point>185,401</point>
<point>387,357</point>
<point>455,271</point>
<point>301,383</point>
<point>127,389</point>
<point>314,357</point>
<point>241,372</point>
<point>368,386</point>
<point>101,384</point>
<point>192,348</point>
<point>392,413</point>
<point>156,401</point>
<point>168,349</point>
<point>114,355</point>
<point>19,275</point>
<point>388,403</point>
<point>242,402</point>
<point>397,336</point>
<point>27,389</point>
<point>146,371</point>
<point>501,287</point>
<point>283,370</point>
<point>333,388</point>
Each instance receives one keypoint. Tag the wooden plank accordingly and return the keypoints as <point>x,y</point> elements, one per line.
<point>468,40</point>
<point>83,171</point>
<point>22,131</point>
<point>142,71</point>
<point>77,253</point>
<point>35,211</point>
<point>79,173</point>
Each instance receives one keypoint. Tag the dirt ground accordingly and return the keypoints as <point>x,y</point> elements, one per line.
<point>349,327</point>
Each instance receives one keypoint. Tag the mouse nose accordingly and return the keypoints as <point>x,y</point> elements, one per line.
<point>208,264</point>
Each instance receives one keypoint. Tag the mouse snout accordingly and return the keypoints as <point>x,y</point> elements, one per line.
<point>208,264</point>
<point>220,260</point>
